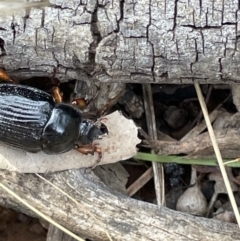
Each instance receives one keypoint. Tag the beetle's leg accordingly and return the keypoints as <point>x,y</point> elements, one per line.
<point>54,84</point>
<point>81,103</point>
<point>97,149</point>
<point>57,94</point>
<point>86,149</point>
<point>5,77</point>
<point>91,149</point>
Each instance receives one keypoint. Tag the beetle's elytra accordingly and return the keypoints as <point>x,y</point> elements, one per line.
<point>31,120</point>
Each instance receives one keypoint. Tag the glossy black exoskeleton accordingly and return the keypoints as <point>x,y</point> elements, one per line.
<point>31,120</point>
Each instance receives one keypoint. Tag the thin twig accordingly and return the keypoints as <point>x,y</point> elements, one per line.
<point>140,182</point>
<point>213,115</point>
<point>200,127</point>
<point>217,152</point>
<point>144,134</point>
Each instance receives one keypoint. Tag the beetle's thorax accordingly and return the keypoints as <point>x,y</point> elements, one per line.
<point>62,130</point>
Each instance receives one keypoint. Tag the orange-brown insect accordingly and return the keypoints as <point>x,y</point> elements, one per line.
<point>57,94</point>
<point>5,77</point>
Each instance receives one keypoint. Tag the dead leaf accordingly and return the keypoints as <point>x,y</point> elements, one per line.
<point>119,144</point>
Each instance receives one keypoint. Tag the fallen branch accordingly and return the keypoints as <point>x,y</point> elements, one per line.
<point>124,218</point>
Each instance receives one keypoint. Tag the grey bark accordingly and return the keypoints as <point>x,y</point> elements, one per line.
<point>125,41</point>
<point>124,218</point>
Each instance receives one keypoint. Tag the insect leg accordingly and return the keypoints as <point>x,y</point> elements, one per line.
<point>4,77</point>
<point>91,149</point>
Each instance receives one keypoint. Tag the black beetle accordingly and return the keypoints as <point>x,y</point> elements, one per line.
<point>31,120</point>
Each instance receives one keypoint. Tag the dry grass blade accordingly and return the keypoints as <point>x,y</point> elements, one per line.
<point>40,214</point>
<point>200,114</point>
<point>217,152</point>
<point>151,123</point>
<point>232,161</point>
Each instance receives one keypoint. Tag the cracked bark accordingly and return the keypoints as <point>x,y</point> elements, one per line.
<point>125,41</point>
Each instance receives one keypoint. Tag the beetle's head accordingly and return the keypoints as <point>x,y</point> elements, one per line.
<point>88,132</point>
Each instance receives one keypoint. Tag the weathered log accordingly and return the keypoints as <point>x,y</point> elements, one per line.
<point>124,218</point>
<point>124,41</point>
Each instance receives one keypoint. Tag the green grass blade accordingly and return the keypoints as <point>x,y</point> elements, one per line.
<point>181,160</point>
